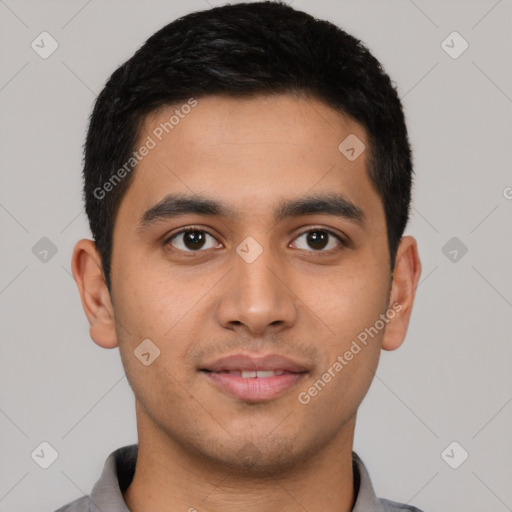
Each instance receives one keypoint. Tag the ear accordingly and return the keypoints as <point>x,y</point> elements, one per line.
<point>406,275</point>
<point>87,271</point>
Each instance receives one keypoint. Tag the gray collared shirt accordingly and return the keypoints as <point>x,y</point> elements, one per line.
<point>106,495</point>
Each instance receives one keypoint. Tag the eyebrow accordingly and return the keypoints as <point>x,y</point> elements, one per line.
<point>178,205</point>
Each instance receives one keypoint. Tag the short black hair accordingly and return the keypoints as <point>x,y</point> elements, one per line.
<point>243,50</point>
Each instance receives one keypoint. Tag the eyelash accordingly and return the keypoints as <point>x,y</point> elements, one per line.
<point>192,229</point>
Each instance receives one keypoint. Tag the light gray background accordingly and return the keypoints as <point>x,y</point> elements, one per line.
<point>452,378</point>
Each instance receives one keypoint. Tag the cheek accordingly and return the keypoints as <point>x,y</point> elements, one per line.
<point>348,300</point>
<point>145,301</point>
<point>154,323</point>
<point>165,310</point>
<point>350,347</point>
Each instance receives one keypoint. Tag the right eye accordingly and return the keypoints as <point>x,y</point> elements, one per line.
<point>191,239</point>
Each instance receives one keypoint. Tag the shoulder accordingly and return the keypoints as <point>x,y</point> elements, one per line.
<point>82,504</point>
<point>393,506</point>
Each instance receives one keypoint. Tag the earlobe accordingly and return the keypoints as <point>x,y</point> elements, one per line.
<point>406,275</point>
<point>87,271</point>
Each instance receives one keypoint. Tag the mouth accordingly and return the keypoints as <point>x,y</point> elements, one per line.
<point>250,378</point>
<point>254,374</point>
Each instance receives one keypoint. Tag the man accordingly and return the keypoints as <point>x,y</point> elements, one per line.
<point>247,181</point>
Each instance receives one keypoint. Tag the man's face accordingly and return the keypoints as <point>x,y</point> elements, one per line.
<point>249,285</point>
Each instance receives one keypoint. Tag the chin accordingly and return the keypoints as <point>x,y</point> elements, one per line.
<point>256,457</point>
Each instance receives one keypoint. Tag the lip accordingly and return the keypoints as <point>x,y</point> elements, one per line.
<point>254,388</point>
<point>249,362</point>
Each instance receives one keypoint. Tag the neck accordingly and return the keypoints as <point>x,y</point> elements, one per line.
<point>169,477</point>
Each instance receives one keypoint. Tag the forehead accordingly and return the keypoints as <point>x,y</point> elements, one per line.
<point>251,153</point>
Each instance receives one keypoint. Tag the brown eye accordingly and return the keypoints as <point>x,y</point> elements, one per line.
<point>319,239</point>
<point>191,240</point>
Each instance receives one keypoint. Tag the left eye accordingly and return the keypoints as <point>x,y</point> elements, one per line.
<point>319,239</point>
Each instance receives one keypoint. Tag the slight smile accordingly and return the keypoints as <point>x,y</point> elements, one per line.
<point>254,378</point>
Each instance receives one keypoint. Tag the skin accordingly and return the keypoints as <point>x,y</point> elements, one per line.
<point>198,447</point>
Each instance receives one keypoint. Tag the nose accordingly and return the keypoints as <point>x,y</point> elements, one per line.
<point>257,295</point>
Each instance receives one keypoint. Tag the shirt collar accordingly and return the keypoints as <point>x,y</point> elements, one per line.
<point>119,469</point>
